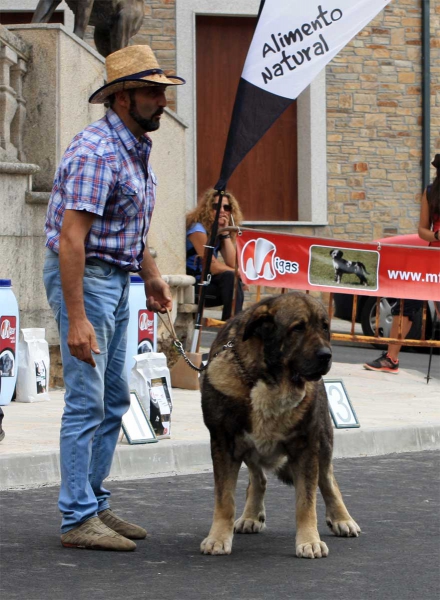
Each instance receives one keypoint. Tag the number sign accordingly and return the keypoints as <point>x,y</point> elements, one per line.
<point>341,410</point>
<point>136,424</point>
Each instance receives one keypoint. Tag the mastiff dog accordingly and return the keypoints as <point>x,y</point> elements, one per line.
<point>264,403</point>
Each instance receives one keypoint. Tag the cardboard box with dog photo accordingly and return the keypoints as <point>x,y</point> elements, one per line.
<point>150,378</point>
<point>160,407</point>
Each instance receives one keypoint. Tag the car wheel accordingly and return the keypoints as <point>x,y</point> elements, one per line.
<point>368,316</point>
<point>368,320</point>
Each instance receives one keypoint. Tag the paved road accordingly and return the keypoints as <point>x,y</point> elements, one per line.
<point>394,499</point>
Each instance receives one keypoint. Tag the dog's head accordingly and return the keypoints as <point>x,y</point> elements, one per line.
<point>294,335</point>
<point>336,253</point>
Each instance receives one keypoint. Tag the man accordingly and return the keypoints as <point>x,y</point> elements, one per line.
<point>97,221</point>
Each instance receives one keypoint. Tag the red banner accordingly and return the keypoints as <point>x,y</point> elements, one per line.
<point>310,263</point>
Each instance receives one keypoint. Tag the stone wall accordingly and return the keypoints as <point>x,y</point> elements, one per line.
<point>374,124</point>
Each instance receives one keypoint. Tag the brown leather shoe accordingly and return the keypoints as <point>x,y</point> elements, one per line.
<point>93,534</point>
<point>128,530</point>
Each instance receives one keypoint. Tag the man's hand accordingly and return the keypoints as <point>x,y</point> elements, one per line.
<point>82,341</point>
<point>158,295</point>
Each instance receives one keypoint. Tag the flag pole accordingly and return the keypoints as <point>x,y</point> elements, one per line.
<point>206,274</point>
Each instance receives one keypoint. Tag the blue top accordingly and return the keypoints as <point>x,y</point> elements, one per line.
<point>136,279</point>
<point>5,283</point>
<point>194,265</point>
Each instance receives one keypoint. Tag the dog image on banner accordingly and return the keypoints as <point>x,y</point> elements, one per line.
<point>341,266</point>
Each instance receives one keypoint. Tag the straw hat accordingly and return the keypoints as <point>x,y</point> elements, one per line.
<point>132,67</point>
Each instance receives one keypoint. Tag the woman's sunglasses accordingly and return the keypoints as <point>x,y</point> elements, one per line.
<point>226,207</point>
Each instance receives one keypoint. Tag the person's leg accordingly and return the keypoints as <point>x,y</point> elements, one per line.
<point>222,285</point>
<point>84,399</point>
<point>220,293</point>
<point>394,349</point>
<point>212,294</point>
<point>116,404</point>
<point>410,310</point>
<point>388,361</point>
<point>239,299</point>
<point>226,282</point>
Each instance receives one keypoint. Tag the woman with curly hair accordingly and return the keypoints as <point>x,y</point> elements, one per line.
<point>198,230</point>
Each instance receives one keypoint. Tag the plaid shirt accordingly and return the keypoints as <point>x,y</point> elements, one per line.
<point>105,171</point>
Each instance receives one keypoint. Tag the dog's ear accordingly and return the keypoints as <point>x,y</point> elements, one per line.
<point>260,317</point>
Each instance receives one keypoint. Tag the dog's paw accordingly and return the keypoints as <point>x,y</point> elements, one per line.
<point>312,550</point>
<point>216,545</point>
<point>246,525</point>
<point>347,528</point>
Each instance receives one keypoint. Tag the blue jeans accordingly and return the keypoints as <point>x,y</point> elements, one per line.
<point>96,397</point>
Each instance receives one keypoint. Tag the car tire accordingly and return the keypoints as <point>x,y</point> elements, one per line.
<point>368,318</point>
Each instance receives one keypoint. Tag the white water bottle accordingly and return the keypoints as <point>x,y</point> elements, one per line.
<point>142,326</point>
<point>9,326</point>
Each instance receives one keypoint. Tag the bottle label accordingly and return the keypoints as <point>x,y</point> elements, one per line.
<point>41,376</point>
<point>146,331</point>
<point>8,342</point>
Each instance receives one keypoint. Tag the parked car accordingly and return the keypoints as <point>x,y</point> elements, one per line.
<point>366,305</point>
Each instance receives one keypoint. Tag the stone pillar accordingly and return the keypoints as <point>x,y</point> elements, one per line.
<point>14,54</point>
<point>8,102</point>
<point>62,75</point>
<point>18,71</point>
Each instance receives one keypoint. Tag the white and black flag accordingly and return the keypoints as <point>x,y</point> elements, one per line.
<point>292,43</point>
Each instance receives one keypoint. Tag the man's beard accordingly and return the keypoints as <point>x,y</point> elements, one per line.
<point>146,124</point>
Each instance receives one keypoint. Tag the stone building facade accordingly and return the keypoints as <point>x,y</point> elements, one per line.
<point>374,117</point>
<point>374,124</point>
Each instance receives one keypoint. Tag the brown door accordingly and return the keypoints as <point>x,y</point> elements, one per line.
<point>266,182</point>
<point>20,17</point>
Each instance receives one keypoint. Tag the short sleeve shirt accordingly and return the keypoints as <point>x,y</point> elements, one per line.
<point>194,265</point>
<point>106,171</point>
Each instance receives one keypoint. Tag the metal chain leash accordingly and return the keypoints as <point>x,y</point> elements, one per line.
<point>180,349</point>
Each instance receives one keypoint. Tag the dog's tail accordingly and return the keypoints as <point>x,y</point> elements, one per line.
<point>361,264</point>
<point>284,474</point>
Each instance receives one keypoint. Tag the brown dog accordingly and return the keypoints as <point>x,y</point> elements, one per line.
<point>264,403</point>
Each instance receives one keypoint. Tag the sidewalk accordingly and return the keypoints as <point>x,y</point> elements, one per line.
<point>397,413</point>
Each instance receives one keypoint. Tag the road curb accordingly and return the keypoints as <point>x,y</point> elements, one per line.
<point>172,458</point>
<point>376,441</point>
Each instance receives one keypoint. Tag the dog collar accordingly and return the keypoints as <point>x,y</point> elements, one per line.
<point>248,380</point>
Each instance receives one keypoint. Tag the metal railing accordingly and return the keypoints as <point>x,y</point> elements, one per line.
<point>352,336</point>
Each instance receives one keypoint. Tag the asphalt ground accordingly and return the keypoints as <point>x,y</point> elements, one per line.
<point>394,498</point>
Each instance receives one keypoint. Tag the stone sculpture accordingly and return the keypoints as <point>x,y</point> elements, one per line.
<point>115,21</point>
